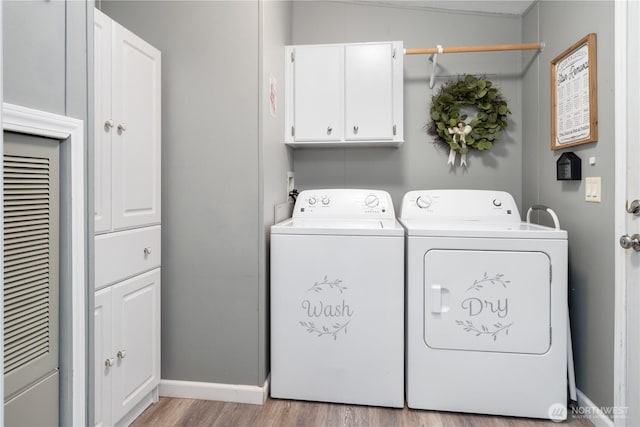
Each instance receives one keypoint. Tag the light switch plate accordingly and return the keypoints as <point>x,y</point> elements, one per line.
<point>593,189</point>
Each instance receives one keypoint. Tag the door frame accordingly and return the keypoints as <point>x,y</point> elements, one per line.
<point>1,221</point>
<point>621,45</point>
<point>40,123</point>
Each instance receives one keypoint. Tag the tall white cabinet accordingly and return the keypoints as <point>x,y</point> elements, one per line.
<point>127,223</point>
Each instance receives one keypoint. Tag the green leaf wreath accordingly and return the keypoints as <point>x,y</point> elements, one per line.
<point>450,129</point>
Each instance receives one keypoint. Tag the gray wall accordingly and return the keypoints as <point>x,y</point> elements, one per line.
<point>590,225</point>
<point>212,322</point>
<point>34,54</point>
<point>417,164</point>
<point>47,66</point>
<point>275,157</point>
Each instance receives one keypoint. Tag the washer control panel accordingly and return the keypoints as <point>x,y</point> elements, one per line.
<point>472,205</point>
<point>344,204</point>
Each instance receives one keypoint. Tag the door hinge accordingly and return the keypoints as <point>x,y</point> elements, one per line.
<point>394,130</point>
<point>393,55</point>
<point>293,131</point>
<point>293,55</point>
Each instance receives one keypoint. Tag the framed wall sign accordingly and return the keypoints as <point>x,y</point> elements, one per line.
<point>574,95</point>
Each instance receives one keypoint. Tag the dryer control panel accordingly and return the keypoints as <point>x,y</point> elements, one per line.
<point>344,204</point>
<point>470,205</point>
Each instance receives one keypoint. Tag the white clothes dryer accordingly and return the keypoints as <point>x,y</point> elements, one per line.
<point>337,300</point>
<point>486,306</point>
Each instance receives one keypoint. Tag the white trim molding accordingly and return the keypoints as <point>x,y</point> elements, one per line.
<point>35,122</point>
<point>597,417</point>
<point>237,393</point>
<point>620,195</point>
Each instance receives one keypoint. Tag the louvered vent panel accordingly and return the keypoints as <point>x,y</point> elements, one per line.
<point>27,281</point>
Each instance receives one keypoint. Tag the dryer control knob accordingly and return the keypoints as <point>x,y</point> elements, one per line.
<point>326,200</point>
<point>423,202</point>
<point>311,201</point>
<point>497,203</point>
<point>371,201</point>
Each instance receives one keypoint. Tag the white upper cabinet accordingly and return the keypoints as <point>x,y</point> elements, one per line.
<point>344,94</point>
<point>127,108</point>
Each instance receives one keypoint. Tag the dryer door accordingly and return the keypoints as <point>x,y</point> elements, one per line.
<point>494,301</point>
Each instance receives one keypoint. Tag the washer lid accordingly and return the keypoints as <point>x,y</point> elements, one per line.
<point>346,227</point>
<point>480,229</point>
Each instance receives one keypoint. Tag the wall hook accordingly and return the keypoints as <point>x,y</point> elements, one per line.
<point>434,59</point>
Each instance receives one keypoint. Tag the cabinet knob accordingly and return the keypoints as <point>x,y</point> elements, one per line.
<point>147,251</point>
<point>109,362</point>
<point>109,124</point>
<point>122,354</point>
<point>122,127</point>
<point>355,130</point>
<point>329,130</point>
<point>628,242</point>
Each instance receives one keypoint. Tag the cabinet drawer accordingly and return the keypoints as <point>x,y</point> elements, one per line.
<point>126,253</point>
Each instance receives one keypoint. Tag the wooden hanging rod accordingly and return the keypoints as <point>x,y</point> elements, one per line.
<point>485,48</point>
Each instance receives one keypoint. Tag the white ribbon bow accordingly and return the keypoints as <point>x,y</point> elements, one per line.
<point>461,131</point>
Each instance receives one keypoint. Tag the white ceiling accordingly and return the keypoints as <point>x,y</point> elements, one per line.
<point>503,7</point>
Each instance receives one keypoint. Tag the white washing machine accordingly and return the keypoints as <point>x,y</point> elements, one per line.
<point>337,300</point>
<point>486,306</point>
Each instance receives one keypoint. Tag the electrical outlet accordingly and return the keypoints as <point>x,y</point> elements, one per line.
<point>290,183</point>
<point>593,189</point>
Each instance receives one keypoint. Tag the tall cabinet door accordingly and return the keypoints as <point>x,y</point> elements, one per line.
<point>136,339</point>
<point>136,135</point>
<point>103,127</point>
<point>104,358</point>
<point>318,86</point>
<point>369,91</point>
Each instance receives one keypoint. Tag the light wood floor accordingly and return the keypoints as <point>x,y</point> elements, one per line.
<point>285,413</point>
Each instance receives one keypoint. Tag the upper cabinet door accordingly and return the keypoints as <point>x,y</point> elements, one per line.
<point>369,91</point>
<point>103,127</point>
<point>318,93</point>
<point>136,134</point>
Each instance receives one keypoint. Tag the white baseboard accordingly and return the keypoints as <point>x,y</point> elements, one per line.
<point>594,413</point>
<point>213,391</point>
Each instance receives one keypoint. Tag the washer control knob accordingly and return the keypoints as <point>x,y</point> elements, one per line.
<point>371,201</point>
<point>423,202</point>
<point>312,201</point>
<point>497,203</point>
<point>326,200</point>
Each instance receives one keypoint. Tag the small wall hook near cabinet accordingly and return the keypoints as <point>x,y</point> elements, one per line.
<point>434,60</point>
